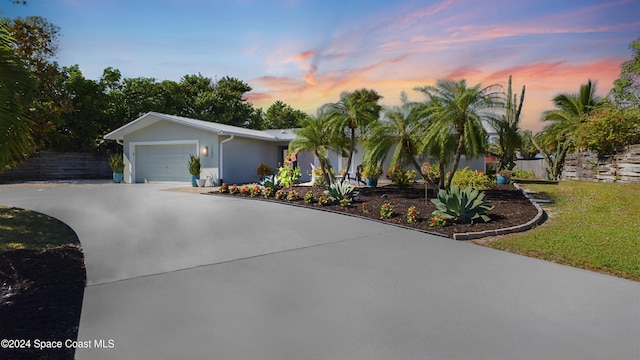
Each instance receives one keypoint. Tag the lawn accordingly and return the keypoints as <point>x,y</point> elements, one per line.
<point>593,226</point>
<point>24,229</point>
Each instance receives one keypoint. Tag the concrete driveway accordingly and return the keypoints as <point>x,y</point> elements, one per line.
<point>175,275</point>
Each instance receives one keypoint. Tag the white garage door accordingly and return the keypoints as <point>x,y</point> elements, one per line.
<point>163,162</point>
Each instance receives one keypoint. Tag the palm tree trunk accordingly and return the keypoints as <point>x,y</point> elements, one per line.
<point>456,161</point>
<point>351,150</point>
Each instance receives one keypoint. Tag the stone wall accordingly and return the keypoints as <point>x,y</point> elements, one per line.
<point>588,166</point>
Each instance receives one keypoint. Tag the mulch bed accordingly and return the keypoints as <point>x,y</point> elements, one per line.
<point>42,293</point>
<point>511,207</point>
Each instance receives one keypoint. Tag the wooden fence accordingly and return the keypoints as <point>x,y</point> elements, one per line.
<point>587,166</point>
<point>60,166</point>
<point>537,166</point>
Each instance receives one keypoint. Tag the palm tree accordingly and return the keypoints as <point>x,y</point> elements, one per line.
<point>355,112</point>
<point>454,108</point>
<point>556,140</point>
<point>16,88</point>
<point>316,137</point>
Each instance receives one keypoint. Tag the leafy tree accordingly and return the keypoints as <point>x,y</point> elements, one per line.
<point>528,149</point>
<point>508,128</point>
<point>626,91</point>
<point>353,115</point>
<point>282,116</point>
<point>16,92</point>
<point>229,105</point>
<point>608,130</point>
<point>455,108</point>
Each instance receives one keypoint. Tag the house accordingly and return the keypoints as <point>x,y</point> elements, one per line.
<point>156,148</point>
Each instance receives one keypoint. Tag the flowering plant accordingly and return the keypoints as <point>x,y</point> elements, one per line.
<point>292,195</point>
<point>255,190</point>
<point>244,189</point>
<point>281,194</point>
<point>308,197</point>
<point>267,192</point>
<point>345,202</point>
<point>438,221</point>
<point>386,210</point>
<point>400,176</point>
<point>412,215</point>
<point>224,188</point>
<point>323,199</point>
<point>233,189</point>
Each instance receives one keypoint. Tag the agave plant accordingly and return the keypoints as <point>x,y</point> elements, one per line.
<point>272,182</point>
<point>462,206</point>
<point>341,189</point>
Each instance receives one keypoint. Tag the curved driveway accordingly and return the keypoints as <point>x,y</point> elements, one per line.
<point>175,275</point>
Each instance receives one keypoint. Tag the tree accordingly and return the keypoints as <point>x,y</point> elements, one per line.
<point>557,139</point>
<point>626,91</point>
<point>528,149</point>
<point>16,91</point>
<point>455,108</point>
<point>353,114</point>
<point>316,137</point>
<point>282,116</point>
<point>508,128</point>
<point>608,130</point>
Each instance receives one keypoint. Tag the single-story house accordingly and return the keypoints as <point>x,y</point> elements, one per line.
<point>156,148</point>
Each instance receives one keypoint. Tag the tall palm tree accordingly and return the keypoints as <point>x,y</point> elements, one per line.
<point>556,140</point>
<point>16,88</point>
<point>316,137</point>
<point>454,108</point>
<point>355,112</point>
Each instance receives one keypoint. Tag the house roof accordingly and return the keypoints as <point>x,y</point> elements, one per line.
<point>220,129</point>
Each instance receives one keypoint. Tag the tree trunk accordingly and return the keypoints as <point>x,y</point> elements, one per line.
<point>456,161</point>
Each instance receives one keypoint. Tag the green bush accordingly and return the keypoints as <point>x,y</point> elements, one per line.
<point>523,174</point>
<point>386,211</point>
<point>465,177</point>
<point>401,177</point>
<point>289,175</point>
<point>462,206</point>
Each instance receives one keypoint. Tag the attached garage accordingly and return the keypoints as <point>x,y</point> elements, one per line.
<point>156,148</point>
<point>162,162</point>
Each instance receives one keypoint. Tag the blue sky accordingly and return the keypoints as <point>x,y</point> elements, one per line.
<point>306,52</point>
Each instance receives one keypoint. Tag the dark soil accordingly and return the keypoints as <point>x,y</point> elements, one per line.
<point>41,298</point>
<point>511,208</point>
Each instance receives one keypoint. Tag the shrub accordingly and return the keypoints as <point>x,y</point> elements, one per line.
<point>345,202</point>
<point>194,165</point>
<point>523,174</point>
<point>244,190</point>
<point>339,190</point>
<point>318,176</point>
<point>224,188</point>
<point>323,200</point>
<point>271,182</point>
<point>465,177</point>
<point>281,194</point>
<point>438,221</point>
<point>401,177</point>
<point>255,190</point>
<point>288,175</point>
<point>264,170</point>
<point>116,163</point>
<point>308,197</point>
<point>371,171</point>
<point>292,195</point>
<point>233,189</point>
<point>267,192</point>
<point>386,211</point>
<point>462,206</point>
<point>412,215</point>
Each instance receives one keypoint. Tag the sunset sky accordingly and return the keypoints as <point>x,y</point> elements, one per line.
<point>306,52</point>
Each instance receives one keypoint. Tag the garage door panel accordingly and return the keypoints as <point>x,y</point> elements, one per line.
<point>163,162</point>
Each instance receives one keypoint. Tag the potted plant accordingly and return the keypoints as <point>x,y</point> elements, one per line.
<point>371,174</point>
<point>117,166</point>
<point>503,177</point>
<point>194,169</point>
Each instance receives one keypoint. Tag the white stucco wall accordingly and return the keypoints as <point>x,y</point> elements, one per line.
<point>165,132</point>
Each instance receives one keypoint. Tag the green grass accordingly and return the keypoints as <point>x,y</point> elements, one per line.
<point>24,229</point>
<point>593,226</point>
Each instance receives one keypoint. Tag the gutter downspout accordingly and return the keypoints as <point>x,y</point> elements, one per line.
<point>221,162</point>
